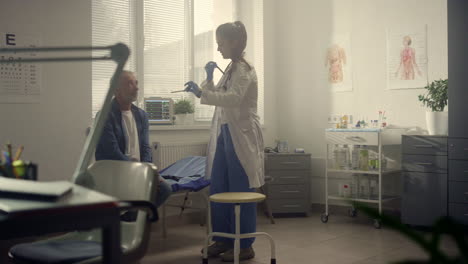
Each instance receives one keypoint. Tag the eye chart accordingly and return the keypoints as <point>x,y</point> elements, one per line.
<point>19,82</point>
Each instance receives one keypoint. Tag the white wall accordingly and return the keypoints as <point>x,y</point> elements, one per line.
<point>52,131</point>
<point>303,30</point>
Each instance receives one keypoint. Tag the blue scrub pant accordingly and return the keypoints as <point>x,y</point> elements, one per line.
<point>228,175</point>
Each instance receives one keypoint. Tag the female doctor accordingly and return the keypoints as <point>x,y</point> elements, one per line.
<point>235,158</point>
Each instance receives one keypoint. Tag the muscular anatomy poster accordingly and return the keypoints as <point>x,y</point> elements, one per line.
<point>338,63</point>
<point>407,57</point>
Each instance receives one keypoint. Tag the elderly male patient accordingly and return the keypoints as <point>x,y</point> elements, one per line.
<point>125,135</point>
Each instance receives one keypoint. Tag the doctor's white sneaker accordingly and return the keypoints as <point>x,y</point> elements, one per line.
<point>217,248</point>
<point>245,254</point>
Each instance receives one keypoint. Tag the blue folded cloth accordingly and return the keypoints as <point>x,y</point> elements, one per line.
<point>186,174</point>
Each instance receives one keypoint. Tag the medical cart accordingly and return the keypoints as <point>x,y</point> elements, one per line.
<point>383,143</point>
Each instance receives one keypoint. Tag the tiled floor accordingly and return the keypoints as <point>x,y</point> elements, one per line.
<point>298,240</point>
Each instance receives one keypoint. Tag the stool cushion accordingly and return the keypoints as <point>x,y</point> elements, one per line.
<point>56,252</point>
<point>237,197</point>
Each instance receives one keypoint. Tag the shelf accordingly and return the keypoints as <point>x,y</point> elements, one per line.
<point>365,172</point>
<point>374,199</point>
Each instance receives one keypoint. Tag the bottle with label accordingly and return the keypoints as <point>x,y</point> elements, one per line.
<point>355,157</point>
<point>346,191</point>
<point>364,158</point>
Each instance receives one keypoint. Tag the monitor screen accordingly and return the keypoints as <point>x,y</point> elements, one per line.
<point>159,110</point>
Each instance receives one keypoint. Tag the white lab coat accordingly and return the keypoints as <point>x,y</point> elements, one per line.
<point>237,105</point>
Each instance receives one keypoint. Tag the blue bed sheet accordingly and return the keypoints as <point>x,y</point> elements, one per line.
<point>186,174</point>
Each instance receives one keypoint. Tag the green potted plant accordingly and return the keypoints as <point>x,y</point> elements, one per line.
<point>436,100</point>
<point>183,112</point>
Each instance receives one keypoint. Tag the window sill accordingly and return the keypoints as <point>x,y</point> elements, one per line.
<point>185,127</point>
<point>180,127</point>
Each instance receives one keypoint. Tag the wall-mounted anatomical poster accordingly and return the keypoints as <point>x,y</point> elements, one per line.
<point>338,63</point>
<point>407,57</point>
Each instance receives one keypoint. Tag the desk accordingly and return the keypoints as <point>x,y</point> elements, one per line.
<point>82,209</point>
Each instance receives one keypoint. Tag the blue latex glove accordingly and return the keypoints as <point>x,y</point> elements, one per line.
<point>209,68</point>
<point>193,87</point>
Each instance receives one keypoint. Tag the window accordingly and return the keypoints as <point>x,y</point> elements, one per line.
<point>112,22</point>
<point>171,41</point>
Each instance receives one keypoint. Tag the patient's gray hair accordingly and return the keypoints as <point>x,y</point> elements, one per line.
<point>124,72</point>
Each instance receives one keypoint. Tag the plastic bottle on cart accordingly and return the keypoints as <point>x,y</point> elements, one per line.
<point>347,160</point>
<point>355,185</point>
<point>373,185</point>
<point>364,186</point>
<point>346,191</point>
<point>335,157</point>
<point>355,157</point>
<point>341,156</point>
<point>376,164</point>
<point>364,158</point>
<point>384,163</point>
<point>373,160</point>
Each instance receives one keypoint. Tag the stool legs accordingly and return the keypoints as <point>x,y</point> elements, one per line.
<point>205,249</point>
<point>237,238</point>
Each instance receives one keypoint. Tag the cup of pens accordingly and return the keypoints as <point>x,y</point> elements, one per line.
<point>13,167</point>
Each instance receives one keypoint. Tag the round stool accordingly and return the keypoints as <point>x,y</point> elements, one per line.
<point>237,198</point>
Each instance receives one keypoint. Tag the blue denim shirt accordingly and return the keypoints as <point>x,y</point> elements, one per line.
<point>113,140</point>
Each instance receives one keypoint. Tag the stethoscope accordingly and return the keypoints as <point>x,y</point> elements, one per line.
<point>228,77</point>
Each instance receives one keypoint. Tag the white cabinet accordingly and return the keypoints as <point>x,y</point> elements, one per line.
<point>379,157</point>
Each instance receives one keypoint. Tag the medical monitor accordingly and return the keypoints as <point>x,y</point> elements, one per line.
<point>160,110</point>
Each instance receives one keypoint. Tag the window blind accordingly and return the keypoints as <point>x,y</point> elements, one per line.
<point>166,48</point>
<point>112,22</point>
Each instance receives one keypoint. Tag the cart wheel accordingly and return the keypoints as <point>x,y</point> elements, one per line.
<point>377,223</point>
<point>352,212</point>
<point>324,218</point>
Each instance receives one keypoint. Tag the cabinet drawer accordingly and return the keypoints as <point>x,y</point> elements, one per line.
<point>458,192</point>
<point>458,148</point>
<point>288,177</point>
<point>424,198</point>
<point>458,170</point>
<point>287,191</point>
<point>459,212</point>
<point>428,145</point>
<point>425,163</point>
<point>353,138</point>
<point>287,162</point>
<point>288,205</point>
